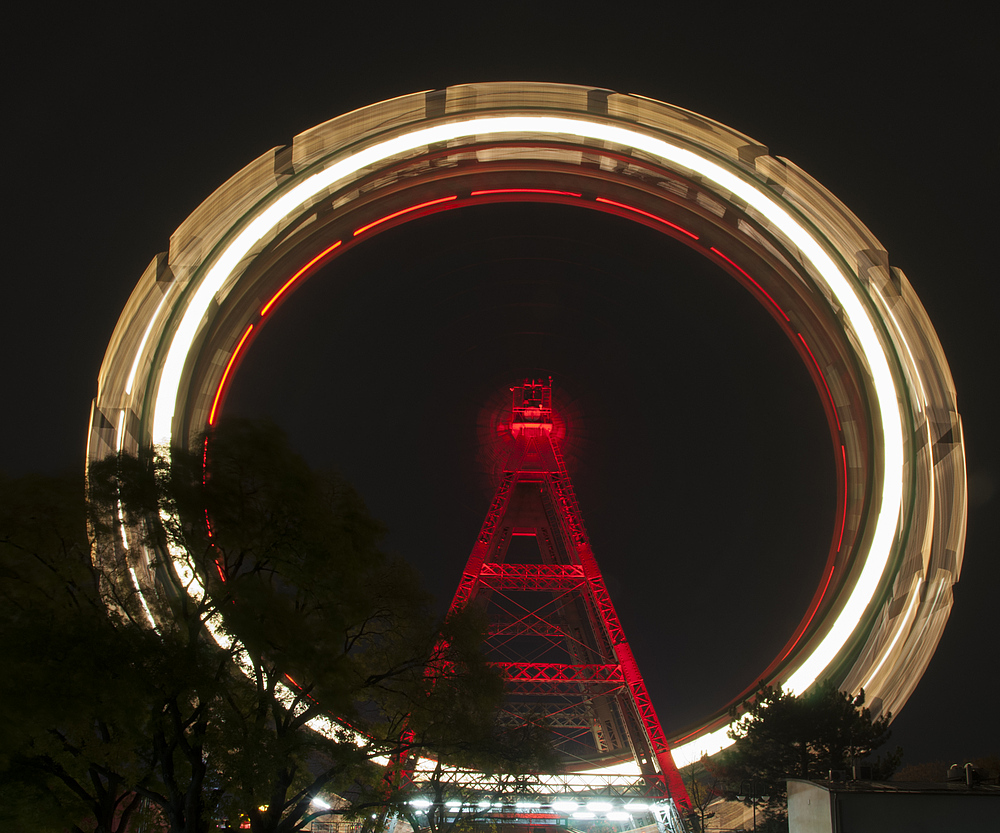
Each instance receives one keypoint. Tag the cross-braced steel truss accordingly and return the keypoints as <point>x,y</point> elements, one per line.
<point>553,629</point>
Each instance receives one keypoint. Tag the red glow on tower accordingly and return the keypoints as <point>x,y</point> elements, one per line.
<point>531,410</point>
<point>553,631</point>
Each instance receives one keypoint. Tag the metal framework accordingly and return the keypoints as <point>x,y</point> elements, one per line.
<point>555,635</point>
<point>878,367</point>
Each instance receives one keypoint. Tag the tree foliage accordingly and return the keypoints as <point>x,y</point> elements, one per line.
<point>274,609</point>
<point>805,737</point>
<point>783,736</point>
<point>72,709</point>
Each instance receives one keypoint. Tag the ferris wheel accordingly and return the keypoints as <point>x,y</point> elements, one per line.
<point>828,284</point>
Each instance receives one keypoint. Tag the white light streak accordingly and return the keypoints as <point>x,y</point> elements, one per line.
<point>899,629</point>
<point>922,399</point>
<point>142,345</point>
<point>142,599</point>
<point>121,430</point>
<point>121,527</point>
<point>933,605</point>
<point>121,511</point>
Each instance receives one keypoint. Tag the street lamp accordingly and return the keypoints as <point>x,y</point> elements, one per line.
<point>756,793</point>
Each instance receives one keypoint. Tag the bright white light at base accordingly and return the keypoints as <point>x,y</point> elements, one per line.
<point>599,806</point>
<point>584,815</point>
<point>419,803</point>
<point>565,806</point>
<point>618,815</point>
<point>840,285</point>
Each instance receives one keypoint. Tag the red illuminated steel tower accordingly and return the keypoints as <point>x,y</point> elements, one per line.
<point>553,628</point>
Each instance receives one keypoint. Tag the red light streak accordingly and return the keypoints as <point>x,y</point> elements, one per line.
<point>843,521</point>
<point>403,211</point>
<point>308,696</point>
<point>298,275</point>
<point>208,520</point>
<point>821,376</point>
<point>525,191</point>
<point>225,375</point>
<point>805,627</point>
<point>651,216</point>
<point>747,276</point>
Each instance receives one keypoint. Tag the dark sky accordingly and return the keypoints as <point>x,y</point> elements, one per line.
<point>702,462</point>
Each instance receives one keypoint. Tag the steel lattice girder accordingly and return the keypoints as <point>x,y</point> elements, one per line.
<point>569,783</point>
<point>535,577</point>
<point>570,717</point>
<point>530,625</point>
<point>561,688</point>
<point>554,672</point>
<point>470,576</point>
<point>535,497</point>
<point>640,701</point>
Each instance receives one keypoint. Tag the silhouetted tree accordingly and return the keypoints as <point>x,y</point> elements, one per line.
<point>704,787</point>
<point>72,718</point>
<point>783,736</point>
<point>274,608</point>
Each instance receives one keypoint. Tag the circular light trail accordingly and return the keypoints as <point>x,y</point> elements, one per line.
<point>885,592</point>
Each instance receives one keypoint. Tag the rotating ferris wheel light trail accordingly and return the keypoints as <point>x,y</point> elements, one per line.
<point>899,361</point>
<point>891,426</point>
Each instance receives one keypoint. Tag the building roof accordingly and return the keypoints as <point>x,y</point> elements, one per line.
<point>904,787</point>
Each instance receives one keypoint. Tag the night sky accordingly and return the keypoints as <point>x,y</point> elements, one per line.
<point>698,447</point>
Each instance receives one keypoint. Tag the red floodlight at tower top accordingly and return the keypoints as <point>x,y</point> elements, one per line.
<point>531,409</point>
<point>553,630</point>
